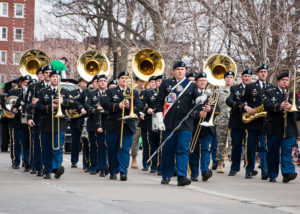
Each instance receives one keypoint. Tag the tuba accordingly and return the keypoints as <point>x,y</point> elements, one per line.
<point>32,60</point>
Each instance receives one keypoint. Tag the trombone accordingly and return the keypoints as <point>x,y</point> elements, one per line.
<point>58,115</point>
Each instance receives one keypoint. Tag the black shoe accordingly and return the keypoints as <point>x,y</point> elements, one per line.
<point>254,172</point>
<point>59,172</point>
<point>97,171</point>
<point>288,177</point>
<point>145,168</point>
<point>215,165</point>
<point>232,173</point>
<point>27,169</point>
<point>158,172</point>
<point>74,166</point>
<point>175,174</point>
<point>272,180</point>
<point>248,175</point>
<point>23,164</point>
<point>153,171</point>
<point>93,172</point>
<point>86,170</point>
<point>102,173</point>
<point>264,176</point>
<point>182,181</point>
<point>16,167</point>
<point>39,173</point>
<point>106,170</point>
<point>194,178</point>
<point>206,175</point>
<point>165,181</point>
<point>123,177</point>
<point>47,175</point>
<point>33,172</point>
<point>113,177</point>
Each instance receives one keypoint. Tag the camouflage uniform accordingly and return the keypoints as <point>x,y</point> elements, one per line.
<point>221,123</point>
<point>136,138</point>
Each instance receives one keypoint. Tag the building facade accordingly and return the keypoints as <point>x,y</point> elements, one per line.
<point>16,35</point>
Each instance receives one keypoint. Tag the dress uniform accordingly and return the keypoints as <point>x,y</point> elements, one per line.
<point>236,124</point>
<point>118,156</point>
<point>21,131</point>
<point>253,97</point>
<point>279,146</point>
<point>174,101</point>
<point>52,149</point>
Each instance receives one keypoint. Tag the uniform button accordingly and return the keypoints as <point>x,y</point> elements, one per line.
<point>177,106</point>
<point>178,101</point>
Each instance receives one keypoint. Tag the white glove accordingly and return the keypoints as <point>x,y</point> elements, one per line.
<point>160,121</point>
<point>201,99</point>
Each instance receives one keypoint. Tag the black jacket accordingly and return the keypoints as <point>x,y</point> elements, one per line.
<point>148,98</point>
<point>16,121</point>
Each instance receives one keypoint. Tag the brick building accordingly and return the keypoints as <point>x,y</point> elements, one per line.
<point>16,35</point>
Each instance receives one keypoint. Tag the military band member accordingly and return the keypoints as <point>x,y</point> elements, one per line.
<point>281,137</point>
<point>191,76</point>
<point>222,121</point>
<point>235,122</point>
<point>21,132</point>
<point>174,101</point>
<point>52,149</point>
<point>112,84</point>
<point>33,120</point>
<point>113,101</point>
<point>253,97</point>
<point>205,137</point>
<point>79,95</point>
<point>158,80</point>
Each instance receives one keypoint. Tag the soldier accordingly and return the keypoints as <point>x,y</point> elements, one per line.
<point>222,121</point>
<point>21,131</point>
<point>53,139</point>
<point>137,135</point>
<point>205,136</point>
<point>191,76</point>
<point>114,102</point>
<point>112,84</point>
<point>174,101</point>
<point>80,96</point>
<point>33,119</point>
<point>281,129</point>
<point>238,133</point>
<point>253,97</point>
<point>158,80</point>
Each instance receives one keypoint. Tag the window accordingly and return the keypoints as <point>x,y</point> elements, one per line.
<point>19,10</point>
<point>2,57</point>
<point>2,78</point>
<point>16,57</point>
<point>18,34</point>
<point>4,9</point>
<point>3,33</point>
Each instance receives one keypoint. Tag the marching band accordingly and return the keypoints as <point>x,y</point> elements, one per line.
<point>185,123</point>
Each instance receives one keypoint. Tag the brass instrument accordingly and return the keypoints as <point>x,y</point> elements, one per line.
<point>91,63</point>
<point>32,60</point>
<point>259,112</point>
<point>58,115</point>
<point>9,103</point>
<point>72,113</point>
<point>146,63</point>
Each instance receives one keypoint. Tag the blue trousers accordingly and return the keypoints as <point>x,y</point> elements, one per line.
<point>154,140</point>
<point>263,153</point>
<point>85,153</point>
<point>93,151</point>
<point>176,147</point>
<point>214,147</point>
<point>36,149</point>
<point>237,137</point>
<point>102,151</point>
<point>144,135</point>
<point>52,159</point>
<point>274,156</point>
<point>21,146</point>
<point>75,147</point>
<point>118,158</point>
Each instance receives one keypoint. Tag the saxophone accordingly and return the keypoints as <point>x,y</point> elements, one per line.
<point>259,112</point>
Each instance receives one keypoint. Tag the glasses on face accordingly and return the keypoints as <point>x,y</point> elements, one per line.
<point>102,80</point>
<point>47,73</point>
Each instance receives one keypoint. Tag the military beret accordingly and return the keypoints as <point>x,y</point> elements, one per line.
<point>54,72</point>
<point>40,69</point>
<point>201,75</point>
<point>48,67</point>
<point>80,79</point>
<point>247,72</point>
<point>160,77</point>
<point>96,77</point>
<point>193,74</point>
<point>32,81</point>
<point>263,66</point>
<point>123,73</point>
<point>285,74</point>
<point>152,78</point>
<point>178,64</point>
<point>112,82</point>
<point>26,77</point>
<point>228,73</point>
<point>102,76</point>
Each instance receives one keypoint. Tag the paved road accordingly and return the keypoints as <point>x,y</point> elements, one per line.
<point>78,192</point>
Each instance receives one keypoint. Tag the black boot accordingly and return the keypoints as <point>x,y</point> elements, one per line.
<point>39,173</point>
<point>165,181</point>
<point>182,181</point>
<point>206,175</point>
<point>123,177</point>
<point>59,172</point>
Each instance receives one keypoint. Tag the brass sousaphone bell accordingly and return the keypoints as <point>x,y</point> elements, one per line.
<point>32,60</point>
<point>9,103</point>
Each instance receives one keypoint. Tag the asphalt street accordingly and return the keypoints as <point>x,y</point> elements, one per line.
<point>78,192</point>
